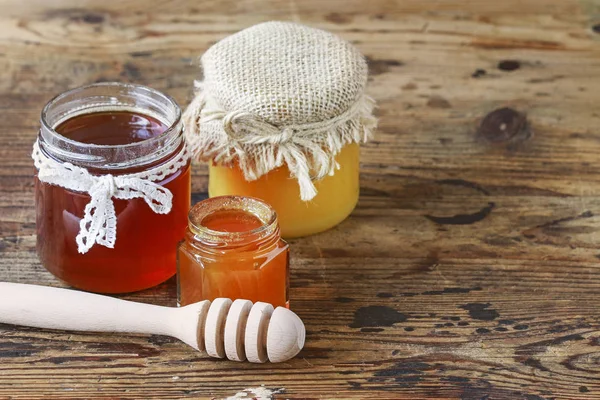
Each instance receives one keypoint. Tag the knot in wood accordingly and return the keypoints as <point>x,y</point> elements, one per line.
<point>502,124</point>
<point>509,65</point>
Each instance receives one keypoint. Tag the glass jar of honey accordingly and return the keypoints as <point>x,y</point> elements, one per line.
<point>112,187</point>
<point>233,249</point>
<point>279,115</point>
<point>336,196</point>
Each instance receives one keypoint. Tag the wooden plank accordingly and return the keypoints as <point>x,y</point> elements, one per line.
<point>469,268</point>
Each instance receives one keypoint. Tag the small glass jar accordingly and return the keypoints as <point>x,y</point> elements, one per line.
<point>336,197</point>
<point>233,249</point>
<point>144,252</point>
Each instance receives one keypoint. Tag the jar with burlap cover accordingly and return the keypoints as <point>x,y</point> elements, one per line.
<point>280,93</point>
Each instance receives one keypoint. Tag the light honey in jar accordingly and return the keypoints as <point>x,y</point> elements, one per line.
<point>279,116</point>
<point>336,196</point>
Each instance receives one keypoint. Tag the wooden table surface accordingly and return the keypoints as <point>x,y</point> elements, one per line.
<point>470,268</point>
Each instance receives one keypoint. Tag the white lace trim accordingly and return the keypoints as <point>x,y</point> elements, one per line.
<point>99,223</point>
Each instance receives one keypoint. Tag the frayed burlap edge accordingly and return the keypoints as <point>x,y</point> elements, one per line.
<point>308,150</point>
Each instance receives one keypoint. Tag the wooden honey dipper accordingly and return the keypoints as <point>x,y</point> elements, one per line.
<point>238,329</point>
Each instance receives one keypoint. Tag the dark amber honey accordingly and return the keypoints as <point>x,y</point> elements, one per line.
<point>145,250</point>
<point>111,128</point>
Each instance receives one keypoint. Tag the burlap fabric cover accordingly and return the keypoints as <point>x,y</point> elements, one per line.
<point>280,93</point>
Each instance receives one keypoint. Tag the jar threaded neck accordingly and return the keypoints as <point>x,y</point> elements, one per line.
<point>109,97</point>
<point>257,208</point>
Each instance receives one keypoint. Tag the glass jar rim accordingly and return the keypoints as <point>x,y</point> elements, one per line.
<point>70,92</point>
<point>257,207</point>
<point>111,96</point>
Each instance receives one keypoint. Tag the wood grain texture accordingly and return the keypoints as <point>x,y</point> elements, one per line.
<point>470,268</point>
